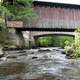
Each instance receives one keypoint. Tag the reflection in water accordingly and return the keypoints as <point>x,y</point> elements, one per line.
<point>12,68</point>
<point>51,65</point>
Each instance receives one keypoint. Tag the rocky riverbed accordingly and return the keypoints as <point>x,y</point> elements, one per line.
<point>38,64</point>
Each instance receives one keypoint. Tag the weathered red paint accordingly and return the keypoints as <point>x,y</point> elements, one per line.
<point>53,17</point>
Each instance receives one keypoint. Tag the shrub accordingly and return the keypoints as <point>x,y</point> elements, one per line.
<point>56,40</point>
<point>74,47</point>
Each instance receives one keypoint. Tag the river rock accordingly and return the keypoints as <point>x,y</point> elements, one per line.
<point>3,59</point>
<point>1,53</point>
<point>69,54</point>
<point>32,53</point>
<point>11,56</point>
<point>22,51</point>
<point>63,52</point>
<point>34,57</point>
<point>42,50</point>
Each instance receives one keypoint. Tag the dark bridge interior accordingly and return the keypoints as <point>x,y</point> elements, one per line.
<point>46,29</point>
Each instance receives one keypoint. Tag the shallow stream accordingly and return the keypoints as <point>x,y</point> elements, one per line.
<point>39,64</point>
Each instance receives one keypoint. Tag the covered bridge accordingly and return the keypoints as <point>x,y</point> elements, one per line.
<point>53,16</point>
<point>50,17</point>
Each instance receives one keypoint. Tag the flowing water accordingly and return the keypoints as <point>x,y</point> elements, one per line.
<point>38,64</point>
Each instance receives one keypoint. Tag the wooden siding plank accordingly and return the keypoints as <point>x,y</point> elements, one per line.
<point>52,17</point>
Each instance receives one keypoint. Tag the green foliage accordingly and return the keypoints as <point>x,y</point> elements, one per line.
<point>67,43</point>
<point>3,35</point>
<point>60,40</point>
<point>44,41</point>
<point>20,9</point>
<point>74,46</point>
<point>78,29</point>
<point>4,11</point>
<point>25,2</point>
<point>4,39</point>
<point>53,41</point>
<point>77,43</point>
<point>14,10</point>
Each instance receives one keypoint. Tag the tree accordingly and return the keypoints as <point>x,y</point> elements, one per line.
<point>17,10</point>
<point>20,10</point>
<point>3,29</point>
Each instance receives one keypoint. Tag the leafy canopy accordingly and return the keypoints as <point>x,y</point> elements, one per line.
<point>19,9</point>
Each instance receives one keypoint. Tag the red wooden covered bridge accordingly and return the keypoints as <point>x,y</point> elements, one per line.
<point>61,19</point>
<point>52,16</point>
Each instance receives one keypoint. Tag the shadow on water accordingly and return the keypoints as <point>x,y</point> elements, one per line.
<point>12,71</point>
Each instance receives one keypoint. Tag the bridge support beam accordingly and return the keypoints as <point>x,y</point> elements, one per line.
<point>29,39</point>
<point>16,37</point>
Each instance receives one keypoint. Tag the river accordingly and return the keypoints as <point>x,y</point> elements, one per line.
<point>39,64</point>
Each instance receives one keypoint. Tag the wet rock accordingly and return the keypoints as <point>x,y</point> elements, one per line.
<point>3,59</point>
<point>63,52</point>
<point>54,49</point>
<point>1,53</point>
<point>24,54</point>
<point>67,54</point>
<point>11,56</point>
<point>12,46</point>
<point>43,50</point>
<point>46,56</point>
<point>32,53</point>
<point>21,51</point>
<point>70,56</point>
<point>60,50</point>
<point>34,57</point>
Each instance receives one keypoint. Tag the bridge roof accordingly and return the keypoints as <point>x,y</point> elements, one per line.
<point>74,2</point>
<point>57,3</point>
